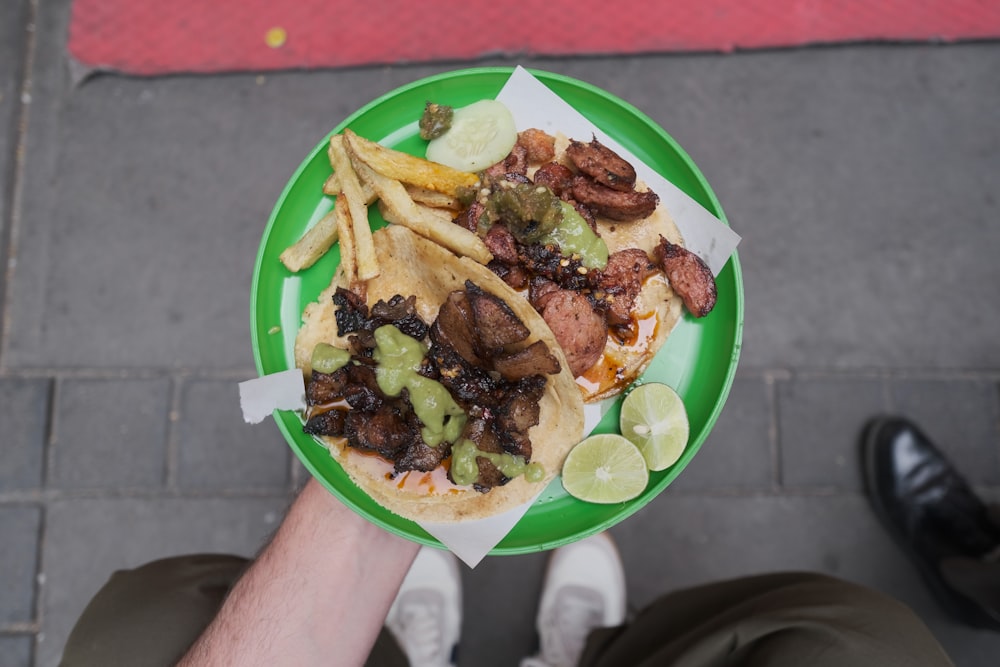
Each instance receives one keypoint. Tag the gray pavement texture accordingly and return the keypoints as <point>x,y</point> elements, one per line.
<point>864,180</point>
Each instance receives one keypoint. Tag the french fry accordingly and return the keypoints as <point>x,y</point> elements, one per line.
<point>332,185</point>
<point>398,208</point>
<point>408,168</point>
<point>434,199</point>
<point>364,247</point>
<point>313,244</point>
<point>345,230</point>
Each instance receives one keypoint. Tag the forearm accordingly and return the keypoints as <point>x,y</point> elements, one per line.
<point>318,593</point>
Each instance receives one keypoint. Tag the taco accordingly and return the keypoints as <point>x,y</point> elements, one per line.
<point>518,413</point>
<point>593,250</point>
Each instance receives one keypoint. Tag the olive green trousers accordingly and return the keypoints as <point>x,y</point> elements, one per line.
<point>151,615</point>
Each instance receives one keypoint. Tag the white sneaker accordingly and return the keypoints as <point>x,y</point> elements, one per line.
<point>426,615</point>
<point>584,589</point>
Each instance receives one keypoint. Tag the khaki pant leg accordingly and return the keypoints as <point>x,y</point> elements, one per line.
<point>150,616</point>
<point>779,620</point>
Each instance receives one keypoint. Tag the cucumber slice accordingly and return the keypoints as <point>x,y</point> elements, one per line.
<point>481,135</point>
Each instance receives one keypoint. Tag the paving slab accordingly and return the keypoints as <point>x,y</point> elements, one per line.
<point>13,41</point>
<point>218,450</point>
<point>18,563</point>
<point>104,535</point>
<point>820,419</point>
<point>739,452</point>
<point>110,434</point>
<point>24,414</point>
<point>16,650</point>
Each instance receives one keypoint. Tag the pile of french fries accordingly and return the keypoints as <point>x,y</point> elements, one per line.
<point>410,191</point>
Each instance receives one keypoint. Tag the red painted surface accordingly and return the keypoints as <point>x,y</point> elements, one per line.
<point>158,37</point>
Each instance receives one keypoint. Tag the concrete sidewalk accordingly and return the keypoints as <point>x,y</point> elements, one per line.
<point>863,179</point>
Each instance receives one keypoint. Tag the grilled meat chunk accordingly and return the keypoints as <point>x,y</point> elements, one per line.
<point>329,423</point>
<point>621,280</point>
<point>353,316</point>
<point>623,206</point>
<point>455,328</point>
<point>514,167</point>
<point>501,243</point>
<point>540,145</point>
<point>602,164</point>
<point>469,218</point>
<point>556,177</point>
<point>387,431</point>
<point>689,276</point>
<point>497,326</point>
<point>536,358</point>
<point>581,331</point>
<point>421,456</point>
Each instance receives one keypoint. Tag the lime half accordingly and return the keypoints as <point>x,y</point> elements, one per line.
<point>654,418</point>
<point>605,468</point>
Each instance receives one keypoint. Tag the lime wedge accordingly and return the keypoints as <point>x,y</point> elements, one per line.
<point>604,468</point>
<point>654,419</point>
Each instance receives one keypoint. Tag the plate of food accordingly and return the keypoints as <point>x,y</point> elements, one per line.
<point>463,322</point>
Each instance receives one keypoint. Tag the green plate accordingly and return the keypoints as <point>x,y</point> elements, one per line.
<point>699,359</point>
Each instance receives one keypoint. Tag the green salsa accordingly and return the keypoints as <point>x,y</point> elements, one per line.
<point>465,470</point>
<point>534,215</point>
<point>435,121</point>
<point>326,358</point>
<point>575,237</point>
<point>399,357</point>
<point>529,211</point>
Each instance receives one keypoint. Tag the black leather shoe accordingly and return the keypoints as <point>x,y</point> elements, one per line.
<point>934,516</point>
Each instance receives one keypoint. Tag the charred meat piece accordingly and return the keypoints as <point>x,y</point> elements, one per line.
<point>325,388</point>
<point>536,358</point>
<point>351,313</point>
<point>388,431</point>
<point>455,328</point>
<point>502,244</point>
<point>353,316</point>
<point>496,324</point>
<point>621,280</point>
<point>400,312</point>
<point>421,456</point>
<point>361,390</point>
<point>468,384</point>
<point>329,423</point>
<point>548,262</point>
<point>511,167</point>
<point>514,275</point>
<point>519,410</point>
<point>689,276</point>
<point>614,204</point>
<point>541,145</point>
<point>581,331</point>
<point>587,214</point>
<point>469,218</point>
<point>489,474</point>
<point>556,177</point>
<point>602,164</point>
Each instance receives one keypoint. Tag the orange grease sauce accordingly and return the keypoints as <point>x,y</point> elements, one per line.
<point>607,373</point>
<point>433,483</point>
